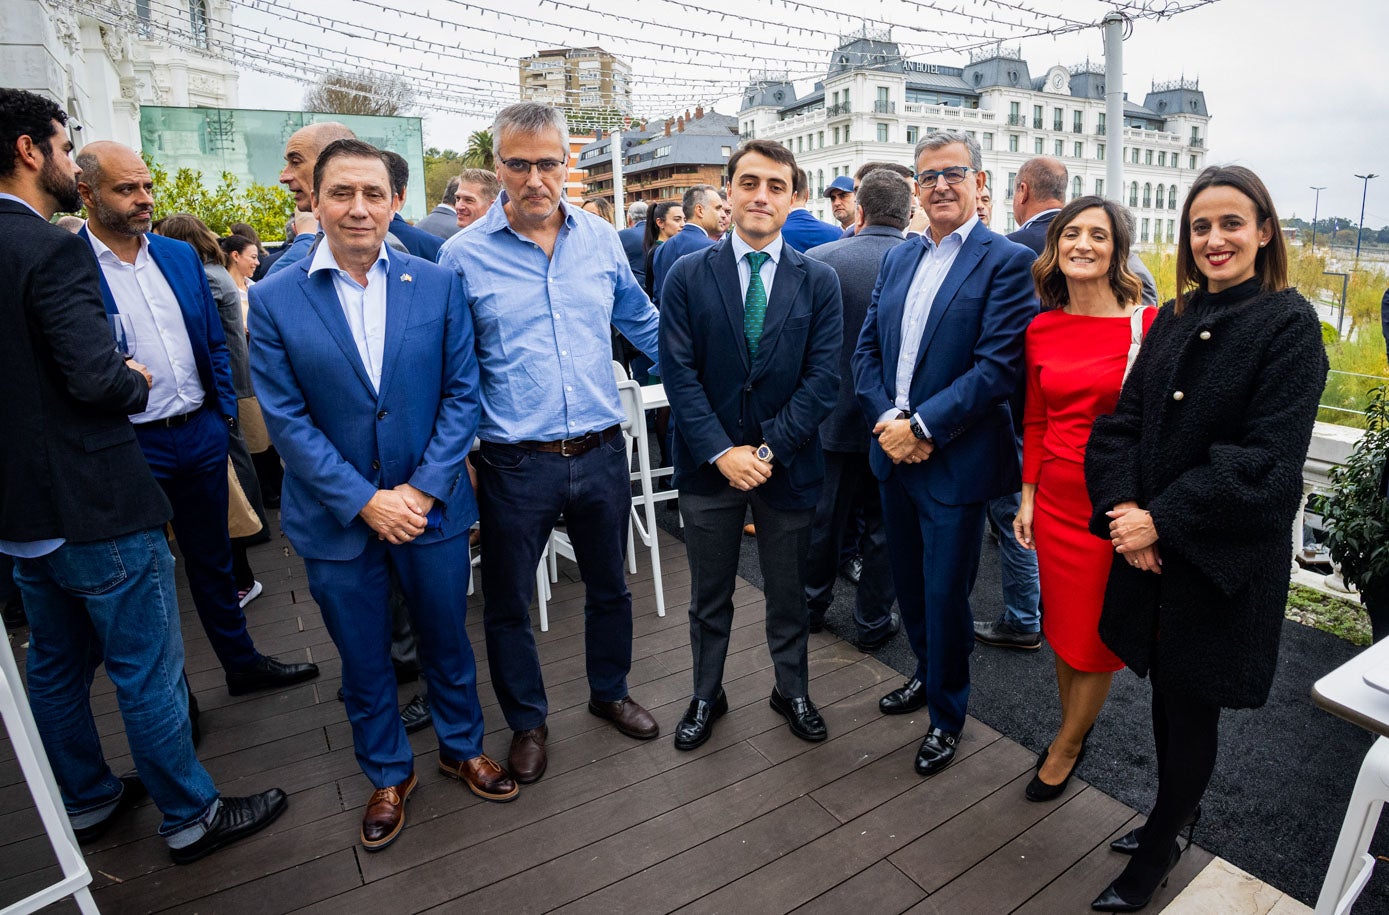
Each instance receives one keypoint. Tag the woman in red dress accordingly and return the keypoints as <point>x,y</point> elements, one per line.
<point>1077,351</point>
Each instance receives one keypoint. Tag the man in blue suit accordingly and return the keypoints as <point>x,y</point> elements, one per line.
<point>631,241</point>
<point>159,286</point>
<point>363,361</point>
<point>704,209</point>
<point>750,336</point>
<point>802,230</point>
<point>938,357</point>
<point>417,241</point>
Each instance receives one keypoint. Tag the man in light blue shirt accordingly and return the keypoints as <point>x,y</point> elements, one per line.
<point>544,281</point>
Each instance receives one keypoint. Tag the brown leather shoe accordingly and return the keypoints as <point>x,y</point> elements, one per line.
<point>750,529</point>
<point>483,777</point>
<point>385,816</point>
<point>630,718</point>
<point>526,760</point>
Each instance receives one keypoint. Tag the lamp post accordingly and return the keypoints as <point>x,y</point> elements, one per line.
<point>1315,207</point>
<point>1360,228</point>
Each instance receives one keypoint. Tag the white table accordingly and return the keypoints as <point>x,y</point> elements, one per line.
<point>1345,694</point>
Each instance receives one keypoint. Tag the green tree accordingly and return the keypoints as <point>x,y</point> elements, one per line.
<point>265,207</point>
<point>439,167</point>
<point>479,151</point>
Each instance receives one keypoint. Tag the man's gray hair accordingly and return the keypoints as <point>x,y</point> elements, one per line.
<point>636,212</point>
<point>1046,177</point>
<point>943,138</point>
<point>529,118</point>
<point>699,194</point>
<point>885,199</point>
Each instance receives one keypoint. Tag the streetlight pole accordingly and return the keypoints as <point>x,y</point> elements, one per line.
<point>1360,228</point>
<point>1315,207</point>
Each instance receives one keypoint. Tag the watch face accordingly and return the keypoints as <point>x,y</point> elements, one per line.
<point>764,453</point>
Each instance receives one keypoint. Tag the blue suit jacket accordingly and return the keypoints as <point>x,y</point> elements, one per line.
<point>970,362</point>
<point>342,441</point>
<point>686,241</point>
<point>183,271</point>
<point>803,231</point>
<point>417,241</point>
<point>721,398</point>
<point>636,254</point>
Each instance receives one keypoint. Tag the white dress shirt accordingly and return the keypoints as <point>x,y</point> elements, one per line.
<point>144,296</point>
<point>768,271</point>
<point>363,306</point>
<point>921,294</point>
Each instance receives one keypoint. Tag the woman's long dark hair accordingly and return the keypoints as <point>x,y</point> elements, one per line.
<point>1046,270</point>
<point>656,214</point>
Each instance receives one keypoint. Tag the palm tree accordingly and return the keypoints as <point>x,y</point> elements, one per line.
<point>479,151</point>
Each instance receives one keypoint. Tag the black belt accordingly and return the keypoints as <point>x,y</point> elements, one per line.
<point>573,447</point>
<point>170,422</point>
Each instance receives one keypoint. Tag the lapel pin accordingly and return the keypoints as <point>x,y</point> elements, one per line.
<point>406,278</point>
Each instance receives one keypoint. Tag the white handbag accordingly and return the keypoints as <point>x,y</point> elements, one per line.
<point>1135,336</point>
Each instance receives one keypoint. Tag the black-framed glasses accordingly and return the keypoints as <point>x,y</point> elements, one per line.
<point>524,166</point>
<point>952,175</point>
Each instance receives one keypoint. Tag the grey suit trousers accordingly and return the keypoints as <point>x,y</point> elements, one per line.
<point>713,537</point>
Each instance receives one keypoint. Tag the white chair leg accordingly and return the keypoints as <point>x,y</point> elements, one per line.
<point>1358,827</point>
<point>542,594</point>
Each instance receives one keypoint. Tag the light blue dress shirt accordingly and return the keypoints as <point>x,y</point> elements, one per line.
<point>363,306</point>
<point>921,295</point>
<point>544,348</point>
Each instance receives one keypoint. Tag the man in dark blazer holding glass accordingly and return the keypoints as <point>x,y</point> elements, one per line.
<point>750,337</point>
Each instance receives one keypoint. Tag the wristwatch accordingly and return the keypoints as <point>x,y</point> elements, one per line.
<point>764,453</point>
<point>916,428</point>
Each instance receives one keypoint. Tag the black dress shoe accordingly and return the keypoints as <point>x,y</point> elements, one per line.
<point>1001,635</point>
<point>905,699</point>
<point>1127,844</point>
<point>268,673</point>
<point>853,569</point>
<point>698,721</point>
<point>936,751</point>
<point>416,715</point>
<point>801,714</point>
<point>816,621</point>
<point>132,792</point>
<point>1129,893</point>
<point>237,818</point>
<point>868,646</point>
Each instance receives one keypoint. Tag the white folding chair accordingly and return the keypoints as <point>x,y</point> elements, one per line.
<point>643,515</point>
<point>38,775</point>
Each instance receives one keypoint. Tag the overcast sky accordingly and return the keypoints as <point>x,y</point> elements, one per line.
<point>1296,89</point>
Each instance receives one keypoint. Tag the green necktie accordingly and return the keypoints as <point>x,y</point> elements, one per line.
<point>755,302</point>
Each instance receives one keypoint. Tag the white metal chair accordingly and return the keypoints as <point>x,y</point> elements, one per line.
<point>38,775</point>
<point>1351,864</point>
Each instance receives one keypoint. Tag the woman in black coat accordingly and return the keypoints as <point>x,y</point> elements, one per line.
<point>1196,479</point>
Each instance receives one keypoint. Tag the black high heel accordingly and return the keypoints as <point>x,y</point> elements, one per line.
<point>1127,844</point>
<point>1038,790</point>
<point>1112,900</point>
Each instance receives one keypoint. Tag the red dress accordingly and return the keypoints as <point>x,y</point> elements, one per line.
<point>1075,366</point>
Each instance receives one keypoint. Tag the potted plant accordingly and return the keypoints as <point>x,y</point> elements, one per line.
<point>1357,514</point>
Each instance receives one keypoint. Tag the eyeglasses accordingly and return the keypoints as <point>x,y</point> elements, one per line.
<point>952,175</point>
<point>524,166</point>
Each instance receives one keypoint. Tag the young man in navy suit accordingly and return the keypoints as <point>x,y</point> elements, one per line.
<point>363,360</point>
<point>938,357</point>
<point>750,336</point>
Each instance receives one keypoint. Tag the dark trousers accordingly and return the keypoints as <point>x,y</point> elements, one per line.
<point>713,539</point>
<point>190,463</point>
<point>849,483</point>
<point>355,597</point>
<point>934,552</point>
<point>521,494</point>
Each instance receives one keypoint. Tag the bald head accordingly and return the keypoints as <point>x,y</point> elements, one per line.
<point>117,190</point>
<point>301,153</point>
<point>1040,185</point>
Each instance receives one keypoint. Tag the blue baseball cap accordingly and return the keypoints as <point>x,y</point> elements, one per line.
<point>842,183</point>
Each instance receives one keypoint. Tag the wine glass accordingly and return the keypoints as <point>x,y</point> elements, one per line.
<point>123,330</point>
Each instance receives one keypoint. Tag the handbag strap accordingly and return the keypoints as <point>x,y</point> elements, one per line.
<point>1136,324</point>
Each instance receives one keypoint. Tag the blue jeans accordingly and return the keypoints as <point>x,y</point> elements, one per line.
<point>112,601</point>
<point>521,494</point>
<point>1018,568</point>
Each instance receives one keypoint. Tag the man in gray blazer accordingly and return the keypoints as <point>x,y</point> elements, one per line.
<point>882,210</point>
<point>442,220</point>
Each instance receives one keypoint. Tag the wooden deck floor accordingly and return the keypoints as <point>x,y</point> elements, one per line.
<point>754,821</point>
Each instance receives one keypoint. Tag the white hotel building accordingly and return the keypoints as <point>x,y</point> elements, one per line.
<point>873,106</point>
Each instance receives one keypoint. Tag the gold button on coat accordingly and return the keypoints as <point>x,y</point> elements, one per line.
<point>1177,395</point>
<point>1205,335</point>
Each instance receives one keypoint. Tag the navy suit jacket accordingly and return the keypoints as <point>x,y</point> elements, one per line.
<point>184,273</point>
<point>636,254</point>
<point>721,398</point>
<point>803,231</point>
<point>417,241</point>
<point>970,361</point>
<point>686,241</point>
<point>341,440</point>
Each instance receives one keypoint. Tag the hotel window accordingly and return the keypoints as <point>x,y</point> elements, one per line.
<point>800,145</point>
<point>197,22</point>
<point>1162,159</point>
<point>142,16</point>
<point>820,180</point>
<point>1012,177</point>
<point>820,142</point>
<point>1037,146</point>
<point>1133,194</point>
<point>1099,151</point>
<point>1147,157</point>
<point>1078,123</point>
<point>1037,117</point>
<point>1099,187</point>
<point>1079,150</point>
<point>988,142</point>
<point>1170,236</point>
<point>1133,157</point>
<point>1075,187</point>
<point>1012,142</point>
<point>1057,119</point>
<point>1099,128</point>
<point>882,133</point>
<point>1057,148</point>
<point>1172,197</point>
<point>1144,236</point>
<point>912,133</point>
<point>1147,198</point>
<point>1014,112</point>
<point>836,136</point>
<point>1193,163</point>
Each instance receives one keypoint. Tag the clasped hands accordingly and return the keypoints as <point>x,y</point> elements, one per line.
<point>742,468</point>
<point>899,443</point>
<point>1134,536</point>
<point>398,515</point>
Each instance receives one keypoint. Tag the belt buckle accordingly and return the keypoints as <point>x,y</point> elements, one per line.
<point>564,447</point>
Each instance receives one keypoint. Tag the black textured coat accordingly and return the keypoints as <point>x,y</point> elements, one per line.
<point>1210,435</point>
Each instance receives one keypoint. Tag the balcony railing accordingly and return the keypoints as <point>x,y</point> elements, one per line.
<point>747,135</point>
<point>1017,120</point>
<point>1077,128</point>
<point>1197,142</point>
<point>1036,123</point>
<point>835,111</point>
<point>884,107</point>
